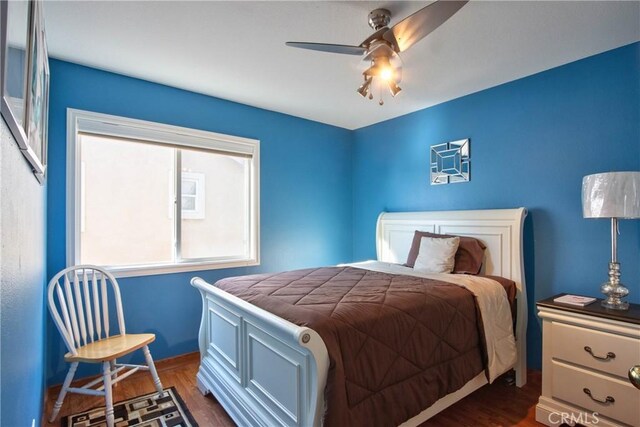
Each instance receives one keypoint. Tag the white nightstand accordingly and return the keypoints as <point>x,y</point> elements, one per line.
<point>586,355</point>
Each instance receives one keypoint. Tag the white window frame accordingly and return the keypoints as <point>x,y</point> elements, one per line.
<point>79,121</point>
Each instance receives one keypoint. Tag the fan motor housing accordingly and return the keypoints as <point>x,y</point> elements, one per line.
<point>379,18</point>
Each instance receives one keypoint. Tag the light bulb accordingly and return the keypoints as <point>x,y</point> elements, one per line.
<point>386,73</point>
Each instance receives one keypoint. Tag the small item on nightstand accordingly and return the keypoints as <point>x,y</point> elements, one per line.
<point>574,300</point>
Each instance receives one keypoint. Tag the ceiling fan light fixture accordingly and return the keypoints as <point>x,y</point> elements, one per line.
<point>380,50</point>
<point>383,71</point>
<point>386,66</point>
<point>364,87</point>
<point>393,88</point>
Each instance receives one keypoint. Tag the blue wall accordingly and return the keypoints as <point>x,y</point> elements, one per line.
<point>22,279</point>
<point>532,141</point>
<point>305,194</point>
<point>322,187</point>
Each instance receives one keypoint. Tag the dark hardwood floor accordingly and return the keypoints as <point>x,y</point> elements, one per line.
<point>498,404</point>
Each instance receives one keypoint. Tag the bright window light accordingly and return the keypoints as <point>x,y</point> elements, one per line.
<point>151,198</point>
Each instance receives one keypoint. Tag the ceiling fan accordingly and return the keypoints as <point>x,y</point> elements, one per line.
<point>380,50</point>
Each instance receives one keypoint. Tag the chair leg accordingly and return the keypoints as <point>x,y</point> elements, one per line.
<point>63,391</point>
<point>112,365</point>
<point>108,397</point>
<point>152,369</point>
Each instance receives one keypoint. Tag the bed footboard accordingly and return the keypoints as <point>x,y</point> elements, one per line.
<point>262,369</point>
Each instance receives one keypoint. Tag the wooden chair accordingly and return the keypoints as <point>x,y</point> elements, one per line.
<point>83,301</point>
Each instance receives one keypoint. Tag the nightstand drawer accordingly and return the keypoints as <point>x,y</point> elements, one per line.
<point>603,351</point>
<point>573,384</point>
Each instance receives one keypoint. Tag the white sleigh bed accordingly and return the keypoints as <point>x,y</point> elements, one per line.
<point>266,371</point>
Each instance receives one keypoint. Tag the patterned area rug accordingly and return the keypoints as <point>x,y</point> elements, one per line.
<point>141,411</point>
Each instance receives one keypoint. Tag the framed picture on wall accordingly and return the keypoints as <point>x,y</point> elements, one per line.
<point>24,82</point>
<point>38,95</point>
<point>15,29</point>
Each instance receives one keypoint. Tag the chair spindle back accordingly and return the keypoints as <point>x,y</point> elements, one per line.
<point>82,298</point>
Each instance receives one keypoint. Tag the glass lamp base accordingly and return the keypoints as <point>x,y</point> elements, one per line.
<point>614,290</point>
<point>615,305</point>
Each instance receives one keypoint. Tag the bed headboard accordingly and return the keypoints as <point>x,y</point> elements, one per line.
<point>499,229</point>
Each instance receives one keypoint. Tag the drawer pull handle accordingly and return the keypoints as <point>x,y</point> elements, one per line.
<point>607,401</point>
<point>609,355</point>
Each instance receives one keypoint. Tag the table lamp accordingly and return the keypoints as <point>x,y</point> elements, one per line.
<point>614,195</point>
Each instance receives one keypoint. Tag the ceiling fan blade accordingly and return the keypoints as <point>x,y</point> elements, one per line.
<point>415,27</point>
<point>331,48</point>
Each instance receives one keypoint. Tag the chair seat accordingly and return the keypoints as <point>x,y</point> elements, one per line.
<point>110,348</point>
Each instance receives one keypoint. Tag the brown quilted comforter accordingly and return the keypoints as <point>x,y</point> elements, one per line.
<point>396,343</point>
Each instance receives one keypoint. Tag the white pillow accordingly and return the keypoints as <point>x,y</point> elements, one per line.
<point>437,255</point>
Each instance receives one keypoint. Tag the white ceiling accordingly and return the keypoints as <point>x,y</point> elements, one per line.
<point>236,51</point>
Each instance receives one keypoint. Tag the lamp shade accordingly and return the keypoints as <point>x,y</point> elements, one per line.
<point>611,195</point>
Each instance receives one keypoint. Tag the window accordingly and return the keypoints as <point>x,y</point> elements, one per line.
<point>147,198</point>
<point>193,194</point>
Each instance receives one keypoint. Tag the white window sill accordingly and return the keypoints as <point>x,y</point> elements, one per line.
<point>150,270</point>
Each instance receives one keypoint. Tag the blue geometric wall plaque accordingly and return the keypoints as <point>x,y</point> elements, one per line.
<point>450,162</point>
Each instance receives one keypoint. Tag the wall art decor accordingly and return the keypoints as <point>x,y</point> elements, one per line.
<point>24,82</point>
<point>14,44</point>
<point>450,162</point>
